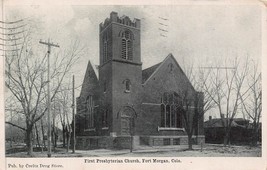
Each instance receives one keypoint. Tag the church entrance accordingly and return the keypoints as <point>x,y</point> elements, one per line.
<point>127,121</point>
<point>125,125</point>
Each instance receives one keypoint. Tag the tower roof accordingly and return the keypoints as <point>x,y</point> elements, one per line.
<point>90,81</point>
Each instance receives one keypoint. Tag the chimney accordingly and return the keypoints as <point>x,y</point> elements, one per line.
<point>210,117</point>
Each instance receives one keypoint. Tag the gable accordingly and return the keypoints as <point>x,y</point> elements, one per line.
<point>169,64</point>
<point>90,81</point>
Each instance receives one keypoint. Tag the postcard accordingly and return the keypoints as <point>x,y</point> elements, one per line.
<point>133,85</point>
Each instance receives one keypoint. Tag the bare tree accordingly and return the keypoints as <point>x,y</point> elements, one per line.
<point>227,85</point>
<point>25,78</point>
<point>199,78</point>
<point>64,103</point>
<point>252,100</point>
<point>55,129</point>
<point>14,116</point>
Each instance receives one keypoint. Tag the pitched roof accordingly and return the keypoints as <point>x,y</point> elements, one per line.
<point>146,73</point>
<point>90,80</point>
<point>149,72</point>
<point>218,123</point>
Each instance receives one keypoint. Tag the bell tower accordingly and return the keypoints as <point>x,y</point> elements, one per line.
<point>120,40</point>
<point>120,69</point>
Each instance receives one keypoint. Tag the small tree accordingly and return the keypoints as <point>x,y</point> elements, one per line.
<point>64,103</point>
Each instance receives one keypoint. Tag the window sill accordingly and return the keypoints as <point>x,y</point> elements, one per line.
<point>105,128</point>
<point>170,129</point>
<point>90,130</point>
<point>127,59</point>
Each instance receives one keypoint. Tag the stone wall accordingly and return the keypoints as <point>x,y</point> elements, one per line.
<point>93,142</point>
<point>169,140</point>
<point>123,142</point>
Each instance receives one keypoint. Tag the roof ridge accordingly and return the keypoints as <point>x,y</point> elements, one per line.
<point>88,74</point>
<point>146,73</point>
<point>151,66</point>
<point>145,79</point>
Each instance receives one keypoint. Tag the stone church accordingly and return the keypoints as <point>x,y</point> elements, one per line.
<point>125,104</point>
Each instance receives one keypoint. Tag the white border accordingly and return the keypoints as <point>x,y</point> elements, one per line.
<point>187,163</point>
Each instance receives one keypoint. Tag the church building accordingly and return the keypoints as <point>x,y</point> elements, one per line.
<point>125,104</point>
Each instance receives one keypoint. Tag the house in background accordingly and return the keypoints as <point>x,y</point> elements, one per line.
<point>241,131</point>
<point>127,101</point>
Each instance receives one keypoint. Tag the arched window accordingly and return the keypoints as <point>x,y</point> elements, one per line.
<point>173,116</point>
<point>107,54</point>
<point>90,112</point>
<point>162,123</point>
<point>127,84</point>
<point>170,66</point>
<point>105,47</point>
<point>127,45</point>
<point>105,87</point>
<point>105,118</point>
<point>170,112</point>
<point>166,98</point>
<point>168,115</point>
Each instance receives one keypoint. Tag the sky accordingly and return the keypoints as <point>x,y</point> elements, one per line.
<point>201,34</point>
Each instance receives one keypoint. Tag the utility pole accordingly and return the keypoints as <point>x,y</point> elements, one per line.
<point>49,45</point>
<point>11,127</point>
<point>73,113</point>
<point>53,131</point>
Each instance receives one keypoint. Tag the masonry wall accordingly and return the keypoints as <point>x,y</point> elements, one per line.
<point>117,29</point>
<point>90,87</point>
<point>123,142</point>
<point>105,77</point>
<point>121,97</point>
<point>164,80</point>
<point>116,70</point>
